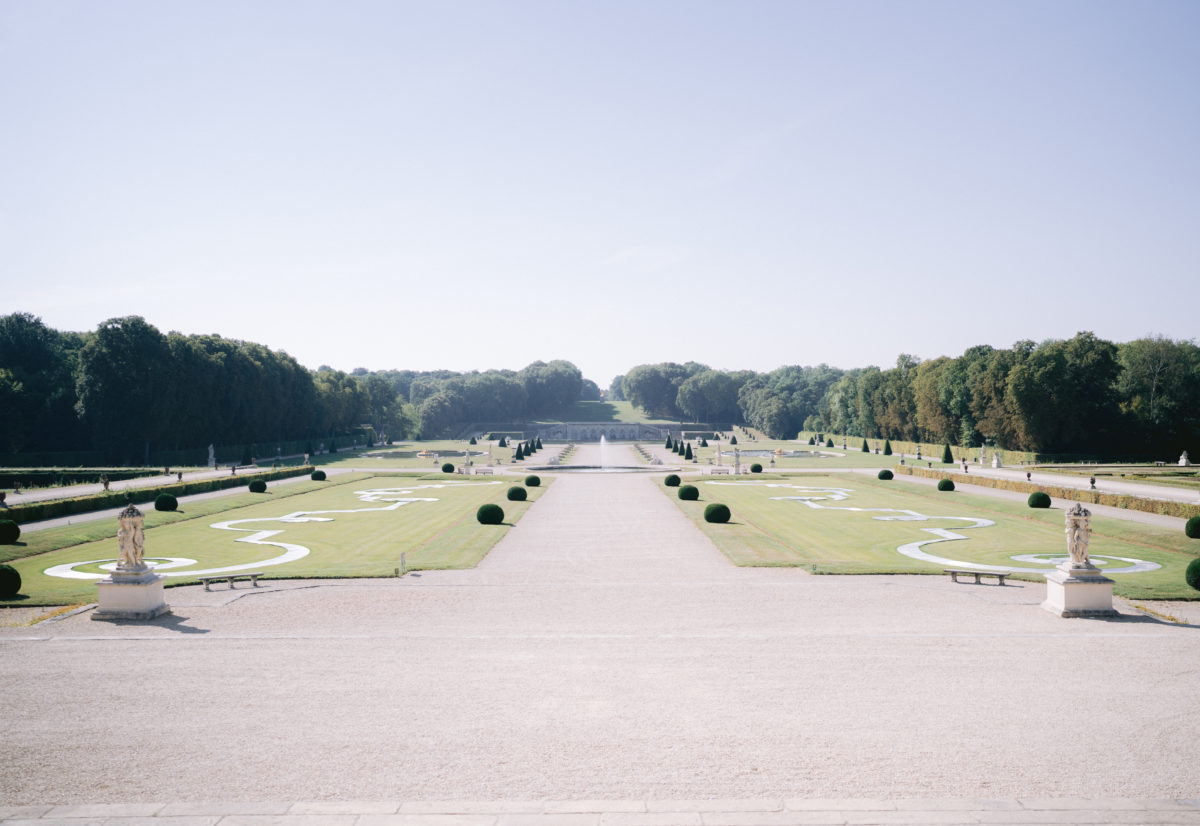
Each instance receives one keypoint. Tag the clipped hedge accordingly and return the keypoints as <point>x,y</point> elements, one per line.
<point>37,511</point>
<point>945,484</point>
<point>756,468</point>
<point>166,502</point>
<point>1191,574</point>
<point>10,531</point>
<point>689,493</point>
<point>10,582</point>
<point>1038,499</point>
<point>884,474</point>
<point>489,515</point>
<point>517,494</point>
<point>717,513</point>
<point>318,476</point>
<point>447,468</point>
<point>258,486</point>
<point>1093,497</point>
<point>1192,528</point>
<point>532,481</point>
<point>672,481</point>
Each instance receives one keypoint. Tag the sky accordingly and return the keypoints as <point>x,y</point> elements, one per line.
<point>478,185</point>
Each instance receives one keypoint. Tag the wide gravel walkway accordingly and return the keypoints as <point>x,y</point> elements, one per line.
<point>603,651</point>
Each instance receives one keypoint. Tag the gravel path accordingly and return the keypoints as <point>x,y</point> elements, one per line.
<point>604,649</point>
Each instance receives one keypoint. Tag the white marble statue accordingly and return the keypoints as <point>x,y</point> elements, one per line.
<point>1079,534</point>
<point>131,540</point>
<point>1184,461</point>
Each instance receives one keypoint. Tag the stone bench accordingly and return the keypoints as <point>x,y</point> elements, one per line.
<point>955,572</point>
<point>483,471</point>
<point>230,579</point>
<point>718,470</point>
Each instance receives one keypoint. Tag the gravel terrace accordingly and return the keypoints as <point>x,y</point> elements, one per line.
<point>603,650</point>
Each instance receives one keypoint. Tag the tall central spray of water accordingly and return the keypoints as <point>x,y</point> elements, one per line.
<point>603,452</point>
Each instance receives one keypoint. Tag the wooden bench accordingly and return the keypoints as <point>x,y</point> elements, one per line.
<point>1000,575</point>
<point>230,579</point>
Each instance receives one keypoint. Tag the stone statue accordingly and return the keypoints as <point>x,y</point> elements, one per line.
<point>1079,533</point>
<point>212,457</point>
<point>1184,461</point>
<point>131,540</point>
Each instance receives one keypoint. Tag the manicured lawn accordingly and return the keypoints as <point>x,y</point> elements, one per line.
<point>432,534</point>
<point>768,531</point>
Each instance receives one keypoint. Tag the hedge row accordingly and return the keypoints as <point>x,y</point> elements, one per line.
<point>1094,497</point>
<point>37,511</point>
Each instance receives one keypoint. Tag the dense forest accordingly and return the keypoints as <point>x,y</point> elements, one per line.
<point>129,390</point>
<point>1081,395</point>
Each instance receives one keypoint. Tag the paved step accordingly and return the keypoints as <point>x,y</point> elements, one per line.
<point>754,812</point>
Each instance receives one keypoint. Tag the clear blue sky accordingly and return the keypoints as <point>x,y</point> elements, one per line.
<point>482,184</point>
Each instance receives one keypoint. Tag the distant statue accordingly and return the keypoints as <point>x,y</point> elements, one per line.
<point>1079,534</point>
<point>212,457</point>
<point>131,539</point>
<point>1184,461</point>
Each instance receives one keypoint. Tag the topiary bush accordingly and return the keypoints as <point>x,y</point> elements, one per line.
<point>756,468</point>
<point>532,481</point>
<point>884,474</point>
<point>318,476</point>
<point>10,582</point>
<point>947,456</point>
<point>1191,528</point>
<point>1191,574</point>
<point>520,454</point>
<point>10,532</point>
<point>672,481</point>
<point>733,440</point>
<point>704,443</point>
<point>865,449</point>
<point>687,452</point>
<point>448,468</point>
<point>472,441</point>
<point>716,512</point>
<point>490,514</point>
<point>689,493</point>
<point>517,494</point>
<point>258,486</point>
<point>1038,499</point>
<point>887,447</point>
<point>166,502</point>
<point>812,441</point>
<point>829,442</point>
<point>945,484</point>
<point>669,445</point>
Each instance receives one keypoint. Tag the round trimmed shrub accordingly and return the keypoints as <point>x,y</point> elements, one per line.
<point>258,486</point>
<point>10,582</point>
<point>10,532</point>
<point>756,468</point>
<point>1191,528</point>
<point>689,493</point>
<point>532,481</point>
<point>490,514</point>
<point>165,502</point>
<point>1191,574</point>
<point>516,494</point>
<point>945,484</point>
<point>318,476</point>
<point>672,481</point>
<point>716,512</point>
<point>1038,499</point>
<point>447,468</point>
<point>884,474</point>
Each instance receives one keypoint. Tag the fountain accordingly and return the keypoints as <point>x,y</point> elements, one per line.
<point>603,452</point>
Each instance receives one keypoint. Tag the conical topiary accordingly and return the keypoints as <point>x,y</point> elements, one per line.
<point>687,454</point>
<point>733,440</point>
<point>520,454</point>
<point>829,442</point>
<point>472,440</point>
<point>539,443</point>
<point>668,445</point>
<point>887,447</point>
<point>865,448</point>
<point>947,456</point>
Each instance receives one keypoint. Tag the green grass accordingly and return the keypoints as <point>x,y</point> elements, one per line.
<point>441,534</point>
<point>766,532</point>
<point>603,412</point>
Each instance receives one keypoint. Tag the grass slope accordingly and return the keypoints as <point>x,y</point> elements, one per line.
<point>768,532</point>
<point>440,534</point>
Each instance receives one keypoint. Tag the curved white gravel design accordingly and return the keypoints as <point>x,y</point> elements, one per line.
<point>396,497</point>
<point>813,496</point>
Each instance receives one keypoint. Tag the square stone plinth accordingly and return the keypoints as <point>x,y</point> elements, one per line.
<point>1079,593</point>
<point>132,598</point>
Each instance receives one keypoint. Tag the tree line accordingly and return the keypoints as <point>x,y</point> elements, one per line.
<point>127,389</point>
<point>1080,395</point>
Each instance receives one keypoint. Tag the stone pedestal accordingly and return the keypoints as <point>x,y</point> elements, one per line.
<point>131,595</point>
<point>1079,591</point>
